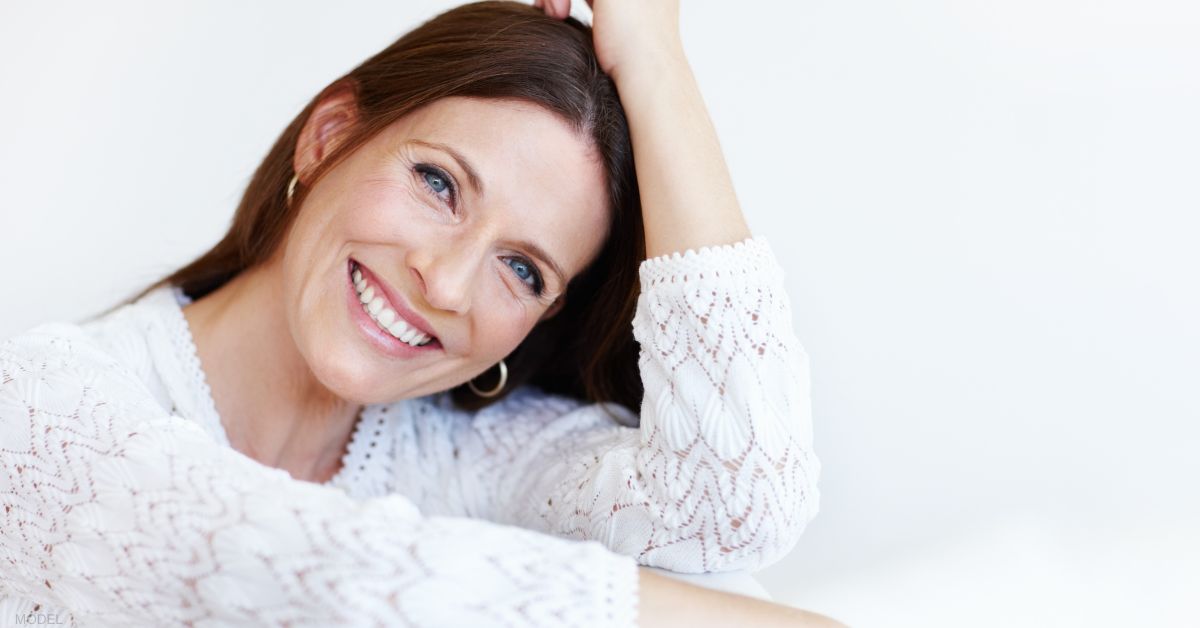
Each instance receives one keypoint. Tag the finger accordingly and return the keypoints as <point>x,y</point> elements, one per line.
<point>562,8</point>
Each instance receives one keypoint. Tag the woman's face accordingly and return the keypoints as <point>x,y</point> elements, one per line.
<point>443,215</point>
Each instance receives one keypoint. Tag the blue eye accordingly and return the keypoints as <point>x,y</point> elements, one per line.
<point>437,181</point>
<point>434,180</point>
<point>537,287</point>
<point>522,265</point>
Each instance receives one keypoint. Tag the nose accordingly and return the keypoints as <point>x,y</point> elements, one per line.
<point>445,274</point>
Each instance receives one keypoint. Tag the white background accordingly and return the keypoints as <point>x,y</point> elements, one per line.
<point>987,212</point>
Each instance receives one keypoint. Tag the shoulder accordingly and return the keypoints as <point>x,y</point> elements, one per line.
<point>526,404</point>
<point>532,409</point>
<point>129,331</point>
<point>52,346</point>
<point>119,336</point>
<point>64,358</point>
<point>528,399</point>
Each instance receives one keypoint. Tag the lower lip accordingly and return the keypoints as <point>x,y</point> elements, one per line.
<point>376,336</point>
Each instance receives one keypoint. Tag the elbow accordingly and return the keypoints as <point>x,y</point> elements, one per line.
<point>755,543</point>
<point>731,522</point>
<point>800,507</point>
<point>803,510</point>
<point>773,538</point>
<point>731,543</point>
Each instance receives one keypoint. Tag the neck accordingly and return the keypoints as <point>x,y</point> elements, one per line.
<point>271,405</point>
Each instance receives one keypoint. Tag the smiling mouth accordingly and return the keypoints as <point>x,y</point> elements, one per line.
<point>377,306</point>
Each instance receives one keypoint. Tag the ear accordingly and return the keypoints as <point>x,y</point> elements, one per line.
<point>330,122</point>
<point>554,308</point>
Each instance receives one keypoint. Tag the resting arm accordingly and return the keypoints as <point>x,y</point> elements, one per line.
<point>123,514</point>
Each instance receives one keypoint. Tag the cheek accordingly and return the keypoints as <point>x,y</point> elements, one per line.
<point>500,324</point>
<point>391,213</point>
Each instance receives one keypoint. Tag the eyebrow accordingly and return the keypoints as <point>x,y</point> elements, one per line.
<point>477,183</point>
<point>472,176</point>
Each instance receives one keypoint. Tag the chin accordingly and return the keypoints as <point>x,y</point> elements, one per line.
<point>348,375</point>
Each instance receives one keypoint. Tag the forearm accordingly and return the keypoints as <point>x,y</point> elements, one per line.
<point>686,191</point>
<point>663,601</point>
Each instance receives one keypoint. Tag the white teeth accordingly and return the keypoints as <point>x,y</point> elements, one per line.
<point>386,317</point>
<point>404,333</point>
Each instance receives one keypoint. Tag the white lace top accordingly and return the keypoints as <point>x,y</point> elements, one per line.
<point>123,503</point>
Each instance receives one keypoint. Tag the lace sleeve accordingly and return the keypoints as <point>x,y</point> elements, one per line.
<point>122,514</point>
<point>720,475</point>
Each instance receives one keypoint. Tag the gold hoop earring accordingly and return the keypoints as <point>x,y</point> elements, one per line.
<point>292,188</point>
<point>495,391</point>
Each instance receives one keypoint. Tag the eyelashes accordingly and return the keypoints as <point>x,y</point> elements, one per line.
<point>432,178</point>
<point>428,172</point>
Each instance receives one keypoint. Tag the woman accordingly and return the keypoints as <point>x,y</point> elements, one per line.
<point>293,428</point>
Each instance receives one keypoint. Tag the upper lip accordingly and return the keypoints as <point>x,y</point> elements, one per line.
<point>396,301</point>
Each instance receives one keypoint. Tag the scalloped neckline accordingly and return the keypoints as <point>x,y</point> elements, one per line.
<point>188,356</point>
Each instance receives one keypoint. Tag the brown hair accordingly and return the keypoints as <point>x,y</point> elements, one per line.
<point>491,49</point>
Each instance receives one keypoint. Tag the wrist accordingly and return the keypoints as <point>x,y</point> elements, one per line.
<point>651,64</point>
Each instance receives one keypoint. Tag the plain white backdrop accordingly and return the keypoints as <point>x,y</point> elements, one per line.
<point>988,213</point>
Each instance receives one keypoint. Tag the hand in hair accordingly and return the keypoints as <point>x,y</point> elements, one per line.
<point>626,32</point>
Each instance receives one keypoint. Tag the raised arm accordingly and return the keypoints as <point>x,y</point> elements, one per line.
<point>687,194</point>
<point>721,473</point>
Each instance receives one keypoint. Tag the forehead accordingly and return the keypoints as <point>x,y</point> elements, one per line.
<point>540,178</point>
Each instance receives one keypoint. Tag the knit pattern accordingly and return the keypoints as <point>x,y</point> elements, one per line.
<point>126,516</point>
<point>719,476</point>
<point>123,503</point>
